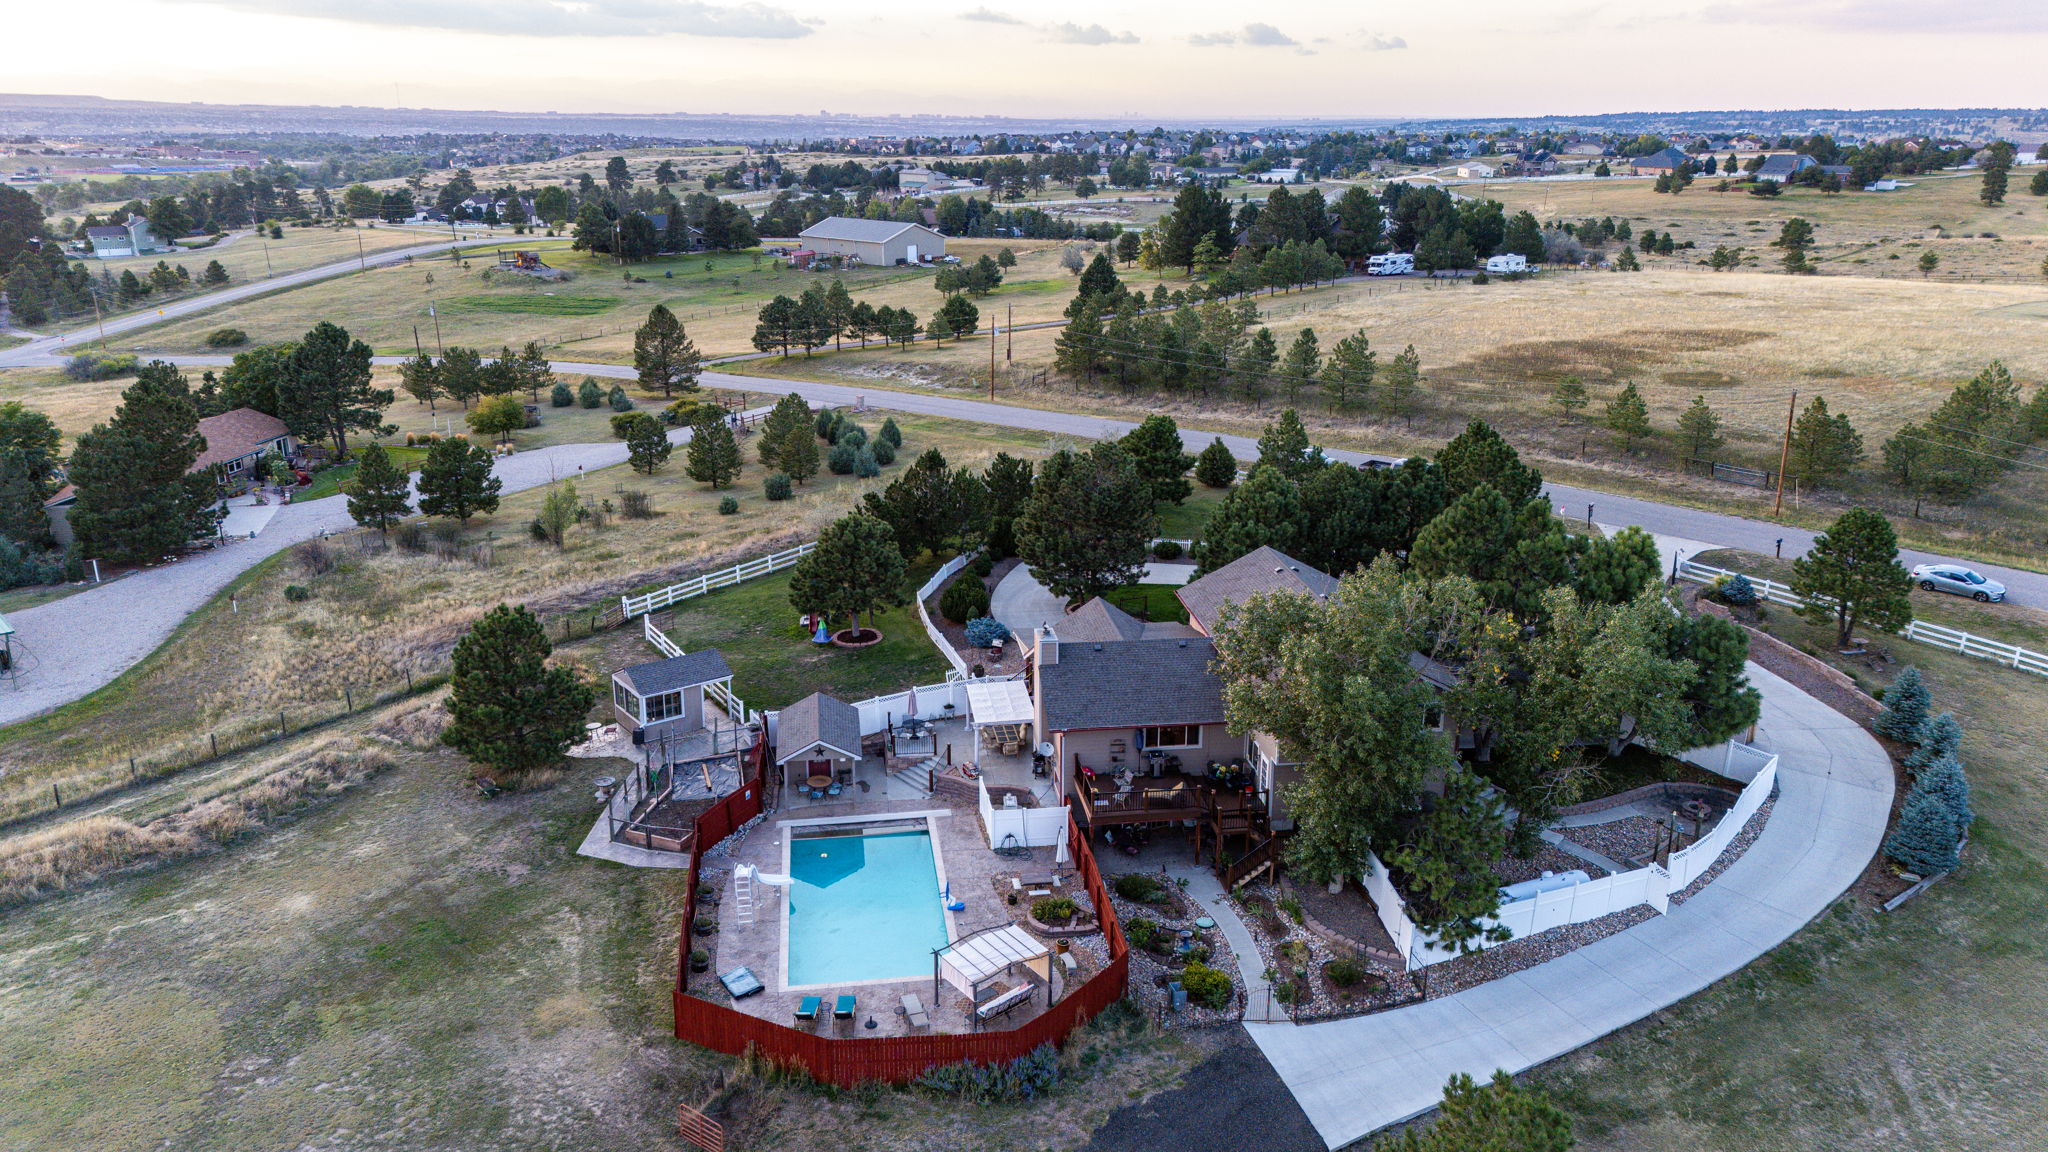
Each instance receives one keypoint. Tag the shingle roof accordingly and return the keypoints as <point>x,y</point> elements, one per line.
<point>235,434</point>
<point>676,672</point>
<point>1784,165</point>
<point>856,231</point>
<point>1662,158</point>
<point>1098,620</point>
<point>1131,684</point>
<point>106,232</point>
<point>818,719</point>
<point>1260,570</point>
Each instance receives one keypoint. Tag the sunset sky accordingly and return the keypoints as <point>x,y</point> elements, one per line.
<point>1188,59</point>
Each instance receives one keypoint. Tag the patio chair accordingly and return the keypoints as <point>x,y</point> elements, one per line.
<point>808,1010</point>
<point>842,1008</point>
<point>834,789</point>
<point>913,1011</point>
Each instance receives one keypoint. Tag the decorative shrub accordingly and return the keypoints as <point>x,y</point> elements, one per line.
<point>1292,907</point>
<point>226,338</point>
<point>1144,933</point>
<point>1167,550</point>
<point>1295,952</point>
<point>1143,887</point>
<point>851,434</point>
<point>840,460</point>
<point>297,593</point>
<point>864,463</point>
<point>590,395</point>
<point>562,397</point>
<point>683,413</point>
<point>884,452</point>
<point>1206,987</point>
<point>1054,910</point>
<point>1939,737</point>
<point>1905,706</point>
<point>624,422</point>
<point>728,506</point>
<point>827,419</point>
<point>101,365</point>
<point>986,631</point>
<point>777,486</point>
<point>964,599</point>
<point>1738,590</point>
<point>981,565</point>
<point>891,433</point>
<point>1345,972</point>
<point>1925,840</point>
<point>618,399</point>
<point>1024,1078</point>
<point>633,505</point>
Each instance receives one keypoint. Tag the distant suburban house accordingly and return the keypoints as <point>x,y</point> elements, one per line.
<point>875,242</point>
<point>1885,185</point>
<point>1279,176</point>
<point>666,697</point>
<point>237,438</point>
<point>1474,170</point>
<point>131,239</point>
<point>919,181</point>
<point>1662,162</point>
<point>1783,166</point>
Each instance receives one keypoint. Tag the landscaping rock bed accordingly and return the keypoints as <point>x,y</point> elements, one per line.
<point>1506,959</point>
<point>1299,960</point>
<point>1751,829</point>
<point>1550,859</point>
<point>1012,659</point>
<point>1629,838</point>
<point>1149,970</point>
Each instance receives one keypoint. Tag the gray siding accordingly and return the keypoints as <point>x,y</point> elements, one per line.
<point>1093,748</point>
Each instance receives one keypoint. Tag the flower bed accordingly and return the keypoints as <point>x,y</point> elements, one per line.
<point>1307,965</point>
<point>1152,966</point>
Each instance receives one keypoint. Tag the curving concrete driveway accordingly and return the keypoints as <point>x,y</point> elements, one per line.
<point>1354,1077</point>
<point>77,645</point>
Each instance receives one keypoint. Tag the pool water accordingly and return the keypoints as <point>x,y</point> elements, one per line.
<point>863,908</point>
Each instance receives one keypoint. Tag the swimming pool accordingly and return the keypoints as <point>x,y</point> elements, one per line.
<point>864,906</point>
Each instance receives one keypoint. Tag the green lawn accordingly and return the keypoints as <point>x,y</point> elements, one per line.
<point>775,664</point>
<point>328,481</point>
<point>1185,521</point>
<point>542,305</point>
<point>1150,602</point>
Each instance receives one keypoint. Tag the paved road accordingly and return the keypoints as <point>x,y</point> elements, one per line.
<point>46,350</point>
<point>1357,1076</point>
<point>77,645</point>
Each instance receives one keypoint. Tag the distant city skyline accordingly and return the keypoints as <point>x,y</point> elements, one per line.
<point>1187,60</point>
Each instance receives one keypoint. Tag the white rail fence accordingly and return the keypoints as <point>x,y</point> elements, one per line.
<point>1652,885</point>
<point>725,578</point>
<point>1951,639</point>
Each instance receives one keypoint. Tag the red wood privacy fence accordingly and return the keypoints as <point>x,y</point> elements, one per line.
<point>850,1061</point>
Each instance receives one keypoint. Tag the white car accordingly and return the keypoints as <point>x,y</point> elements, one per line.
<point>1959,580</point>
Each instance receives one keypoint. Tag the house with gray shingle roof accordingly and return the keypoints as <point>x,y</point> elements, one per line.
<point>1263,569</point>
<point>666,697</point>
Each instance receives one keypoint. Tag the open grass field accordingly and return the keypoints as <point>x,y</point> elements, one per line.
<point>377,613</point>
<point>1855,233</point>
<point>413,967</point>
<point>593,317</point>
<point>1922,1028</point>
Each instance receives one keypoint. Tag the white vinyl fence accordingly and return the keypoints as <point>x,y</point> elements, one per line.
<point>931,630</point>
<point>1651,885</point>
<point>698,585</point>
<point>1969,644</point>
<point>1033,827</point>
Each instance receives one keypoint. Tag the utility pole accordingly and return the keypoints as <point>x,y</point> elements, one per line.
<point>416,341</point>
<point>362,264</point>
<point>1010,331</point>
<point>438,349</point>
<point>991,366</point>
<point>1784,455</point>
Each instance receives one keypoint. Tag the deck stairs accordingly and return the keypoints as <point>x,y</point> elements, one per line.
<point>913,778</point>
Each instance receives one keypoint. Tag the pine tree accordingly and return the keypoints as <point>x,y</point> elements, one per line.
<point>508,710</point>
<point>647,447</point>
<point>1944,779</point>
<point>1348,373</point>
<point>1629,417</point>
<point>456,480</point>
<point>1498,1117</point>
<point>1824,446</point>
<point>931,506</point>
<point>1480,455</point>
<point>1285,446</point>
<point>1570,397</point>
<point>1699,429</point>
<point>1007,481</point>
<point>791,416</point>
<point>214,274</point>
<point>1088,524</point>
<point>1256,366</point>
<point>1941,735</point>
<point>378,494</point>
<point>1401,378</point>
<point>856,568</point>
<point>1905,706</point>
<point>890,432</point>
<point>1264,511</point>
<point>327,393</point>
<point>1852,576</point>
<point>1302,362</point>
<point>1616,569</point>
<point>589,394</point>
<point>1155,445</point>
<point>421,379</point>
<point>136,501</point>
<point>714,456</point>
<point>1926,838</point>
<point>1215,466</point>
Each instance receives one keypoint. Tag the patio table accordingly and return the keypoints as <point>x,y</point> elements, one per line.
<point>818,783</point>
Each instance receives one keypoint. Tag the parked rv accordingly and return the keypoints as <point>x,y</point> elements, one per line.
<point>1390,264</point>
<point>1506,263</point>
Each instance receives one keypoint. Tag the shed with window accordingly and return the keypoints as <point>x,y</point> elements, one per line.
<point>667,696</point>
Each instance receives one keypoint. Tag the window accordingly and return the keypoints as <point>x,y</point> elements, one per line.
<point>1171,736</point>
<point>666,706</point>
<point>625,700</point>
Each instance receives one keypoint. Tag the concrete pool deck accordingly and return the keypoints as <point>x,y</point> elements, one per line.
<point>964,859</point>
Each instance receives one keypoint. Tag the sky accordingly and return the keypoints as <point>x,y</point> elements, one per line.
<point>1188,59</point>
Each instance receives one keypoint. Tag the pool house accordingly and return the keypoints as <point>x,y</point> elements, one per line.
<point>818,745</point>
<point>666,697</point>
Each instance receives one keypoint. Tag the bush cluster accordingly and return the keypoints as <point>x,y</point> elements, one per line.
<point>1025,1078</point>
<point>226,338</point>
<point>986,631</point>
<point>1206,987</point>
<point>1054,909</point>
<point>777,486</point>
<point>966,598</point>
<point>1166,550</point>
<point>1142,887</point>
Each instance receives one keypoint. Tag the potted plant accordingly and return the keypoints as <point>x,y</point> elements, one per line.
<point>700,960</point>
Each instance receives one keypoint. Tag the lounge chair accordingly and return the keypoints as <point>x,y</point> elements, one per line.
<point>913,1011</point>
<point>842,1008</point>
<point>808,1010</point>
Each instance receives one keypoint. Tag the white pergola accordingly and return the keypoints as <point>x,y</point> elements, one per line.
<point>1004,704</point>
<point>972,961</point>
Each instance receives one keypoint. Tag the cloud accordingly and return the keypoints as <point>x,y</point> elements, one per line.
<point>990,16</point>
<point>1251,36</point>
<point>1986,17</point>
<point>1090,34</point>
<point>1376,43</point>
<point>550,17</point>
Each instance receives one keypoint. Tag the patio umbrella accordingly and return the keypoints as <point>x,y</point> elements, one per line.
<point>910,703</point>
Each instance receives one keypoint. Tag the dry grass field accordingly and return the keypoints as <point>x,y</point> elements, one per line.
<point>244,254</point>
<point>1855,233</point>
<point>377,613</point>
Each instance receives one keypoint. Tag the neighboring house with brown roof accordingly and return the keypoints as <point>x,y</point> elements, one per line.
<point>236,439</point>
<point>1262,569</point>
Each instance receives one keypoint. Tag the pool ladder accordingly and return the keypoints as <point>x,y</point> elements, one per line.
<point>743,896</point>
